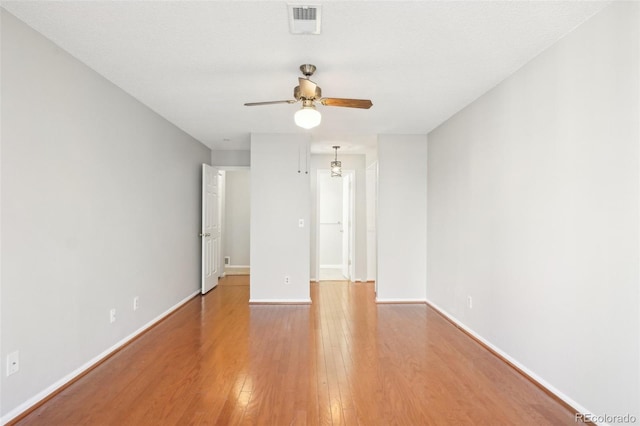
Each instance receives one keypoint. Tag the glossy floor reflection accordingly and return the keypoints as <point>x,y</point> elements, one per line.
<point>341,360</point>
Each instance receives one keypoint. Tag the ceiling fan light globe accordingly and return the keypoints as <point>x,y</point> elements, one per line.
<point>307,117</point>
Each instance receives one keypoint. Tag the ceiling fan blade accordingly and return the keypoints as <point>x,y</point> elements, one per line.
<point>270,103</point>
<point>348,103</point>
<point>307,88</point>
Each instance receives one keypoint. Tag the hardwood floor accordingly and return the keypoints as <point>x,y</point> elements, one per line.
<point>341,360</point>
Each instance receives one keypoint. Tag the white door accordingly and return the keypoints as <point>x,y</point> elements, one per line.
<point>346,226</point>
<point>210,234</point>
<point>371,191</point>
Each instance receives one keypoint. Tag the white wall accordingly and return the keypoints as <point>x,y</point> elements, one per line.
<point>371,157</point>
<point>357,164</point>
<point>402,224</point>
<point>234,158</point>
<point>100,203</point>
<point>279,199</point>
<point>533,211</point>
<point>237,216</point>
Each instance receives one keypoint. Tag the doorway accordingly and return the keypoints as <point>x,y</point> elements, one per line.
<point>335,250</point>
<point>235,247</point>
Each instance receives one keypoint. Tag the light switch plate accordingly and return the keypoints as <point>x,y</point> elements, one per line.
<point>13,363</point>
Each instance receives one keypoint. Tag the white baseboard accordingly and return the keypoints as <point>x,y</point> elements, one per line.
<point>385,300</point>
<point>577,407</point>
<point>237,269</point>
<point>357,280</point>
<point>279,301</point>
<point>88,365</point>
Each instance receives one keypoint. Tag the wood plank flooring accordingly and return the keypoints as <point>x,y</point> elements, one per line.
<point>343,360</point>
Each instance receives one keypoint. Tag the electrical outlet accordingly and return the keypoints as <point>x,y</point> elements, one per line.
<point>13,363</point>
<point>112,315</point>
<point>136,303</point>
<point>301,223</point>
<point>469,302</point>
<point>287,279</point>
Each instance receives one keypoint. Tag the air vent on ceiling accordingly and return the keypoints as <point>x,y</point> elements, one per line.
<point>304,19</point>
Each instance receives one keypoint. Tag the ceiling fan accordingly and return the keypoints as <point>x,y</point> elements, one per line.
<point>309,92</point>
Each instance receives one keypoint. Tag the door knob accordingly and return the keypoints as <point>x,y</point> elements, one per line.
<point>205,235</point>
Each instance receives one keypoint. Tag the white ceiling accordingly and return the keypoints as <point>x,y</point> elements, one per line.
<point>197,62</point>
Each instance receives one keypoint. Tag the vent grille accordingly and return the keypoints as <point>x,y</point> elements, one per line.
<point>304,14</point>
<point>304,19</point>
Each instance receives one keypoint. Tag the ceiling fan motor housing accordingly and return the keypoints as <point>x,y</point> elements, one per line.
<point>298,95</point>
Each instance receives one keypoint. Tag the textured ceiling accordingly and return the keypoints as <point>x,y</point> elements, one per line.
<point>196,63</point>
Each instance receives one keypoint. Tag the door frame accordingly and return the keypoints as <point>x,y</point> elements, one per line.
<point>223,191</point>
<point>352,215</point>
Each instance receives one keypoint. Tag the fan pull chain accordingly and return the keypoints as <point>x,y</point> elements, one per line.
<point>306,158</point>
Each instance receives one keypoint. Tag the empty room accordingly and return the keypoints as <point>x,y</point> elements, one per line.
<point>334,212</point>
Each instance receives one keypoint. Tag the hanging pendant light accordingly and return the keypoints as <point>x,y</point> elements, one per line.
<point>336,166</point>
